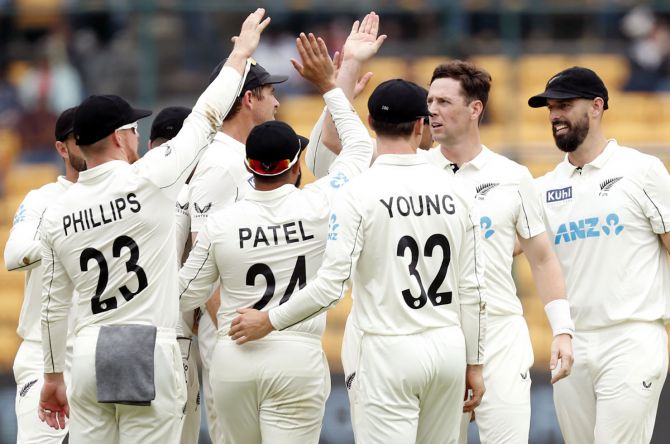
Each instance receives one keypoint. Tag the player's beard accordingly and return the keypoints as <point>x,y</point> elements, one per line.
<point>76,162</point>
<point>575,135</point>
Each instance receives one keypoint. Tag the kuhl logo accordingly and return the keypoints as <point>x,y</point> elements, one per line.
<point>483,189</point>
<point>524,376</point>
<point>202,210</point>
<point>182,208</point>
<point>559,194</point>
<point>607,185</point>
<point>588,227</point>
<point>646,385</point>
<point>486,223</point>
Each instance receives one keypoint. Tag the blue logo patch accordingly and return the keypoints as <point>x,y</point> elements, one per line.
<point>338,180</point>
<point>332,227</point>
<point>20,215</point>
<point>559,194</point>
<point>588,227</point>
<point>485,223</point>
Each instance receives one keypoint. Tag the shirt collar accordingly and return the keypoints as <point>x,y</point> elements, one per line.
<point>599,162</point>
<point>95,172</point>
<point>226,140</point>
<point>399,159</point>
<point>266,196</point>
<point>62,180</point>
<point>438,158</point>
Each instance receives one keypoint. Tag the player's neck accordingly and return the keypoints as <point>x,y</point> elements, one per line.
<point>461,150</point>
<point>237,128</point>
<point>388,145</point>
<point>71,175</point>
<point>592,147</point>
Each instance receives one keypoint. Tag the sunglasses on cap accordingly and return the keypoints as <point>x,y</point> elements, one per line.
<point>131,126</point>
<point>271,168</point>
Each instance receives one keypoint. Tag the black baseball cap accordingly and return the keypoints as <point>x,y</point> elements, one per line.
<point>256,77</point>
<point>98,116</point>
<point>168,122</point>
<point>65,124</point>
<point>398,101</point>
<point>572,83</point>
<point>273,147</point>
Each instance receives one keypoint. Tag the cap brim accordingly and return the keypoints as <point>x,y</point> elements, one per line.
<point>540,100</point>
<point>140,114</point>
<point>271,80</point>
<point>304,141</point>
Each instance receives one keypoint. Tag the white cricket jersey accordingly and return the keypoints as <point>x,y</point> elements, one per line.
<point>112,234</point>
<point>183,237</point>
<point>23,253</point>
<point>269,245</point>
<point>506,201</point>
<point>603,221</point>
<point>403,232</point>
<point>220,179</point>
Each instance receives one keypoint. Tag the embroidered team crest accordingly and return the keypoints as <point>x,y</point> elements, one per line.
<point>24,390</point>
<point>484,188</point>
<point>607,185</point>
<point>202,210</point>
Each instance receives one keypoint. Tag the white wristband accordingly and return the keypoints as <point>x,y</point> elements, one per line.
<point>558,312</point>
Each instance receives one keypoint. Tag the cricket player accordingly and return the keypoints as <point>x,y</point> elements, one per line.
<point>221,179</point>
<point>165,127</point>
<point>23,253</point>
<point>111,237</point>
<point>405,235</point>
<point>264,249</point>
<point>607,212</point>
<point>507,204</point>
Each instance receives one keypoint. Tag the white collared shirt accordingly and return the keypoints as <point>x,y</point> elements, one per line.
<point>506,201</point>
<point>23,253</point>
<point>403,233</point>
<point>112,234</point>
<point>220,179</point>
<point>266,247</point>
<point>603,221</point>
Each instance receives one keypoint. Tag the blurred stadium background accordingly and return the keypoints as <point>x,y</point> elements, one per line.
<point>156,53</point>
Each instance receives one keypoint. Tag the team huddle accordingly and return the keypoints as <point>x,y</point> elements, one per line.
<point>209,234</point>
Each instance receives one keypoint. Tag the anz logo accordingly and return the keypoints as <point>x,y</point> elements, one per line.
<point>338,180</point>
<point>486,225</point>
<point>332,227</point>
<point>589,227</point>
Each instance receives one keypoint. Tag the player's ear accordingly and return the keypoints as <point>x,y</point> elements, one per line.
<point>61,149</point>
<point>476,108</point>
<point>246,98</point>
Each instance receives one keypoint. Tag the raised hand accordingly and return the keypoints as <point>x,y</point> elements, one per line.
<point>316,67</point>
<point>363,41</point>
<point>250,34</point>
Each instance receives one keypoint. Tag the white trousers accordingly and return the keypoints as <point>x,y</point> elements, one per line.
<point>29,377</point>
<point>270,391</point>
<point>190,431</point>
<point>206,341</point>
<point>612,393</point>
<point>409,389</point>
<point>503,417</point>
<point>159,423</point>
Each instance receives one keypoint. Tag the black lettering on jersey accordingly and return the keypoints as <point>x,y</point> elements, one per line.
<point>263,238</point>
<point>414,205</point>
<point>102,214</point>
<point>260,237</point>
<point>288,233</point>
<point>245,234</point>
<point>135,206</point>
<point>302,232</point>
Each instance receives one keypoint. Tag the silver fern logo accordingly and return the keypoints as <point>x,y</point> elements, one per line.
<point>483,189</point>
<point>606,186</point>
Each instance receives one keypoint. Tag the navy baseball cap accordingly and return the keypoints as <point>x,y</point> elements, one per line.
<point>65,124</point>
<point>99,116</point>
<point>572,83</point>
<point>256,77</point>
<point>398,101</point>
<point>168,122</point>
<point>273,147</point>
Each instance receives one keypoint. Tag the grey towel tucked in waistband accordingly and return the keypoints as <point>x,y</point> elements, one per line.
<point>124,364</point>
